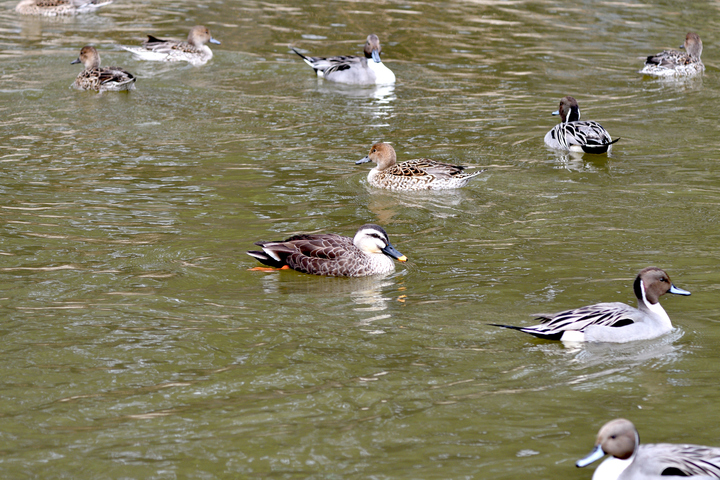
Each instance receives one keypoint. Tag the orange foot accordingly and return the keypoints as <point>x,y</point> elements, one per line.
<point>268,269</point>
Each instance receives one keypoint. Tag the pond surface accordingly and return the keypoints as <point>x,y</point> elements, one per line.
<point>136,343</point>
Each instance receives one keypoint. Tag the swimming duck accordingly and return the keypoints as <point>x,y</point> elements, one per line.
<point>634,461</point>
<point>112,79</point>
<point>420,174</point>
<point>671,63</point>
<point>193,50</point>
<point>351,69</point>
<point>52,8</point>
<point>575,136</point>
<point>368,253</point>
<point>613,322</point>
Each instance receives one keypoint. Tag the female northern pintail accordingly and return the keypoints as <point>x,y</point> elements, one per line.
<point>573,135</point>
<point>193,50</point>
<point>420,174</point>
<point>613,322</point>
<point>369,253</point>
<point>365,70</point>
<point>634,461</point>
<point>52,8</point>
<point>671,63</point>
<point>94,77</point>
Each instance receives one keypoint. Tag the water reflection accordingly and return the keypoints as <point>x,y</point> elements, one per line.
<point>661,351</point>
<point>583,162</point>
<point>370,294</point>
<point>381,97</point>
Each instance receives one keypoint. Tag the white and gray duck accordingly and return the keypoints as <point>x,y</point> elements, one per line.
<point>631,460</point>
<point>612,322</point>
<point>574,135</point>
<point>351,69</point>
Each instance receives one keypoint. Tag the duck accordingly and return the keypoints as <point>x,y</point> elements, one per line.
<point>94,77</point>
<point>193,50</point>
<point>672,63</point>
<point>612,322</point>
<point>52,8</point>
<point>350,69</point>
<point>575,136</point>
<point>369,252</point>
<point>412,175</point>
<point>631,460</point>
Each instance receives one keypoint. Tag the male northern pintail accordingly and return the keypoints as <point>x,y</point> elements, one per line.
<point>193,50</point>
<point>420,174</point>
<point>613,322</point>
<point>52,8</point>
<point>634,461</point>
<point>573,135</point>
<point>671,63</point>
<point>365,70</point>
<point>98,78</point>
<point>369,253</point>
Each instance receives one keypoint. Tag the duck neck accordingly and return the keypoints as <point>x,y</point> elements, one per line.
<point>653,309</point>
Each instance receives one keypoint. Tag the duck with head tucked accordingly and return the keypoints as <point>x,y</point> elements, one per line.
<point>94,77</point>
<point>574,135</point>
<point>52,8</point>
<point>613,322</point>
<point>193,50</point>
<point>631,460</point>
<point>366,70</point>
<point>368,253</point>
<point>672,63</point>
<point>419,174</point>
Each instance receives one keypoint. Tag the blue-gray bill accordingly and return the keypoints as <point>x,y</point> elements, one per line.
<point>596,454</point>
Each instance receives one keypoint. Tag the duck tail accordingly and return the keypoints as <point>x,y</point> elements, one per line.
<point>301,55</point>
<point>265,259</point>
<point>598,148</point>
<point>534,333</point>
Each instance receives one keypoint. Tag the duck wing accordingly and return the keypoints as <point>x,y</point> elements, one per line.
<point>589,135</point>
<point>679,460</point>
<point>669,59</point>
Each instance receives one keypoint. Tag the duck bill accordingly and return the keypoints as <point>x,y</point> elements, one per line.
<point>363,160</point>
<point>677,291</point>
<point>556,112</point>
<point>596,454</point>
<point>216,42</point>
<point>375,56</point>
<point>77,60</point>
<point>390,251</point>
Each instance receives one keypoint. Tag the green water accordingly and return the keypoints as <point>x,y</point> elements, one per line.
<point>136,343</point>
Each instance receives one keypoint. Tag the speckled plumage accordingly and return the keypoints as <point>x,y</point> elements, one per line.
<point>52,8</point>
<point>100,79</point>
<point>574,135</point>
<point>632,460</point>
<point>193,50</point>
<point>419,174</point>
<point>673,63</point>
<point>351,69</point>
<point>368,253</point>
<point>613,322</point>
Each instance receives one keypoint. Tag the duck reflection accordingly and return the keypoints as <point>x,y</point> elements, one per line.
<point>369,294</point>
<point>381,97</point>
<point>582,162</point>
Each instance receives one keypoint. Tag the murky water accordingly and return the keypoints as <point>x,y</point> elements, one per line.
<point>136,343</point>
